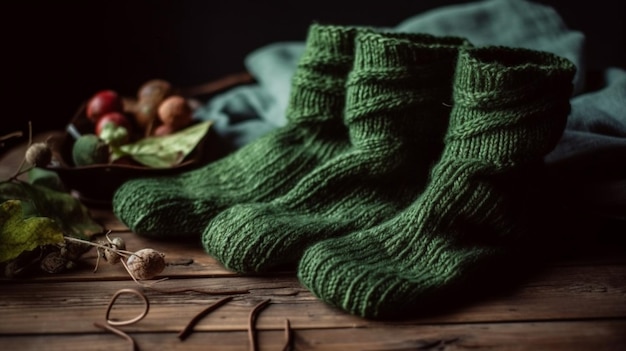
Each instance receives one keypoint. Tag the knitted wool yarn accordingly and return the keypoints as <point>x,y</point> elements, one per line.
<point>182,205</point>
<point>397,109</point>
<point>510,108</point>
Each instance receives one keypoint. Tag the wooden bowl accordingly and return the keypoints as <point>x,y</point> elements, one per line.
<point>96,184</point>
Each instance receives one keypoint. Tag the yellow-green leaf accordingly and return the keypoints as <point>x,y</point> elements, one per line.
<point>18,234</point>
<point>164,151</point>
<point>38,201</point>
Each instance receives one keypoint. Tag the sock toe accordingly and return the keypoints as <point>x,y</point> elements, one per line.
<point>139,204</point>
<point>238,237</point>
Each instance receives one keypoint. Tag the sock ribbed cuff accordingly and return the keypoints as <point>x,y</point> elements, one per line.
<point>318,85</point>
<point>389,50</point>
<point>510,104</point>
<point>400,72</point>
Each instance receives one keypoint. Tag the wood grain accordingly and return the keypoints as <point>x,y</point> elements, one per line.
<point>560,293</point>
<point>553,336</point>
<point>575,302</point>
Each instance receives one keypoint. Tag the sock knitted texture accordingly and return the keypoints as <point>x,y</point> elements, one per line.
<point>510,108</point>
<point>182,205</point>
<point>396,117</point>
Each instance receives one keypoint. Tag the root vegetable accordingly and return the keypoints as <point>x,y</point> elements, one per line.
<point>175,111</point>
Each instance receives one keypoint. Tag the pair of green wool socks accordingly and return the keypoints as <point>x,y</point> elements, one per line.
<point>399,173</point>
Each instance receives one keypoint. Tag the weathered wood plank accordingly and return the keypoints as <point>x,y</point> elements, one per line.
<point>555,336</point>
<point>569,292</point>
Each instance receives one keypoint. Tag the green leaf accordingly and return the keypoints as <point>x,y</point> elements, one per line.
<point>66,211</point>
<point>164,151</point>
<point>49,179</point>
<point>19,234</point>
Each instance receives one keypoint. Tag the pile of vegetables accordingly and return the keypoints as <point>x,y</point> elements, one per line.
<point>155,129</point>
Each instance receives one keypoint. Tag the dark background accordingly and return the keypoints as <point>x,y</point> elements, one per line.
<point>55,54</point>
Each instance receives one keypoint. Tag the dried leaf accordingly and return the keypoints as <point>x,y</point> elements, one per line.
<point>19,234</point>
<point>164,151</point>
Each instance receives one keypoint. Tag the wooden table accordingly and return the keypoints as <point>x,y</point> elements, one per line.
<point>577,302</point>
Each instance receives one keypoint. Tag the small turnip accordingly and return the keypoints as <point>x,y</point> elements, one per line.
<point>117,118</point>
<point>146,264</point>
<point>149,97</point>
<point>38,154</point>
<point>175,111</point>
<point>154,90</point>
<point>103,102</point>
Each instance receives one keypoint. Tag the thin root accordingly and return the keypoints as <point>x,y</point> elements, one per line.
<point>131,341</point>
<point>251,324</point>
<point>189,328</point>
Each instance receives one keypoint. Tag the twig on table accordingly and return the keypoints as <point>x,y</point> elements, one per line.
<point>129,321</point>
<point>19,171</point>
<point>16,134</point>
<point>131,341</point>
<point>288,336</point>
<point>189,328</point>
<point>200,291</point>
<point>251,323</point>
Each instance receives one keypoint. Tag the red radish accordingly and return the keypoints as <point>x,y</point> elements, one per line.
<point>117,118</point>
<point>103,102</point>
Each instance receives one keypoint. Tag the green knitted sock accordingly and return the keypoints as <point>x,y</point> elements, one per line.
<point>510,108</point>
<point>182,205</point>
<point>397,109</point>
